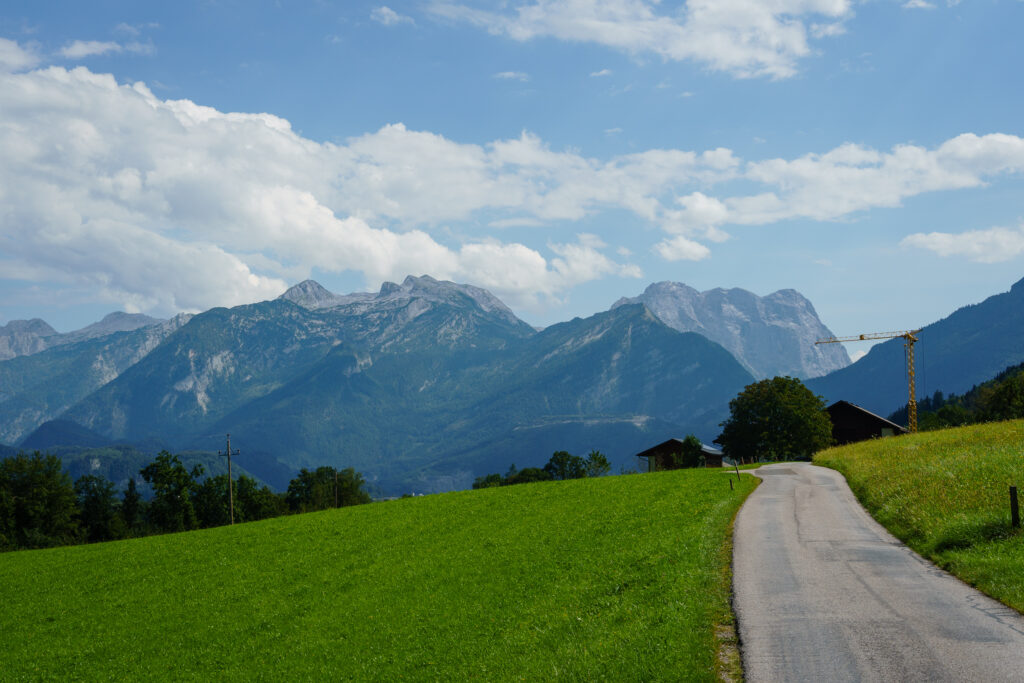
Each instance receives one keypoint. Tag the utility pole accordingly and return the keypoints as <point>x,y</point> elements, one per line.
<point>231,483</point>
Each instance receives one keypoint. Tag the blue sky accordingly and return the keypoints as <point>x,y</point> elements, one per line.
<point>160,157</point>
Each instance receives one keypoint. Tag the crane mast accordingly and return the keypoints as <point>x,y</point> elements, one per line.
<point>909,336</point>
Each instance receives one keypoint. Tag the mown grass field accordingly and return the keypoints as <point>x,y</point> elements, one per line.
<point>619,578</point>
<point>946,495</point>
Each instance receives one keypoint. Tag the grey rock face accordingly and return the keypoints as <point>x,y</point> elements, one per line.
<point>310,294</point>
<point>23,337</point>
<point>769,336</point>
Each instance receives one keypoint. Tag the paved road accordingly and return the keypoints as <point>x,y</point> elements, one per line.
<point>824,593</point>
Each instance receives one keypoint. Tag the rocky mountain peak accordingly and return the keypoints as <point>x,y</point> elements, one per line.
<point>24,337</point>
<point>35,326</point>
<point>770,335</point>
<point>310,294</point>
<point>114,322</point>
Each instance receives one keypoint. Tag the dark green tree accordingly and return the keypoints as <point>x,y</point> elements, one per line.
<point>562,465</point>
<point>529,475</point>
<point>1005,401</point>
<point>254,502</point>
<point>131,509</point>
<point>320,488</point>
<point>596,464</point>
<point>210,500</point>
<point>691,454</point>
<point>97,509</point>
<point>173,488</point>
<point>37,502</point>
<point>775,419</point>
<point>489,481</point>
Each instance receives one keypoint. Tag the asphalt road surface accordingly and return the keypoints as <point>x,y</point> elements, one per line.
<point>824,593</point>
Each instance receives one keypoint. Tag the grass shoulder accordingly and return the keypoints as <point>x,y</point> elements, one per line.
<point>946,494</point>
<point>616,578</point>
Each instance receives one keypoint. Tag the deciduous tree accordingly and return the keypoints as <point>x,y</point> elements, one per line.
<point>173,488</point>
<point>775,419</point>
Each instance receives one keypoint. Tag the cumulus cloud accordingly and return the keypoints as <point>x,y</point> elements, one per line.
<point>601,73</point>
<point>389,17</point>
<point>742,37</point>
<point>167,204</point>
<point>14,57</point>
<point>983,246</point>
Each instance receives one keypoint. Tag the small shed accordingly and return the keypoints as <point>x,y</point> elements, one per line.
<point>664,456</point>
<point>852,423</point>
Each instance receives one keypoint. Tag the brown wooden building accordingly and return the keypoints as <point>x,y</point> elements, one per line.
<point>664,456</point>
<point>852,423</point>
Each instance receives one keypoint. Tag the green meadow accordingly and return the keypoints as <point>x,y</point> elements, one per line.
<point>618,578</point>
<point>946,494</point>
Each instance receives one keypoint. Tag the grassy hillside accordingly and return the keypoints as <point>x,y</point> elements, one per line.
<point>946,494</point>
<point>619,578</point>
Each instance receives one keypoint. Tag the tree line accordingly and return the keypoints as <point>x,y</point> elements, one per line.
<point>41,507</point>
<point>1000,398</point>
<point>562,465</point>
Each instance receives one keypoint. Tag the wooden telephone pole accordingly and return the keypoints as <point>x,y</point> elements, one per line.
<point>231,483</point>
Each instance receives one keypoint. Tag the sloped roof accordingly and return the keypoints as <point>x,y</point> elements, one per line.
<point>675,445</point>
<point>879,418</point>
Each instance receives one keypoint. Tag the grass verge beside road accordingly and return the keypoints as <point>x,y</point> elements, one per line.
<point>946,495</point>
<point>617,578</point>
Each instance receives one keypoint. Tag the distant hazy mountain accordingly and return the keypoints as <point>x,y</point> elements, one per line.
<point>422,385</point>
<point>969,347</point>
<point>25,337</point>
<point>22,337</point>
<point>40,386</point>
<point>770,335</point>
<point>111,323</point>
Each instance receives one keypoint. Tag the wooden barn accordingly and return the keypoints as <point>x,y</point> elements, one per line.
<point>667,456</point>
<point>852,423</point>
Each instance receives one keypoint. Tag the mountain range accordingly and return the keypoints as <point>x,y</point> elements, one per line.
<point>426,384</point>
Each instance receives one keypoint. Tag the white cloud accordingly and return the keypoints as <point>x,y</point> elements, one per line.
<point>14,57</point>
<point>994,245</point>
<point>601,73</point>
<point>918,4</point>
<point>169,205</point>
<point>512,76</point>
<point>681,249</point>
<point>226,206</point>
<point>134,29</point>
<point>389,17</point>
<point>743,37</point>
<point>91,48</point>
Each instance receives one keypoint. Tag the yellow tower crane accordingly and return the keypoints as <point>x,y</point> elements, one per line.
<point>910,336</point>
